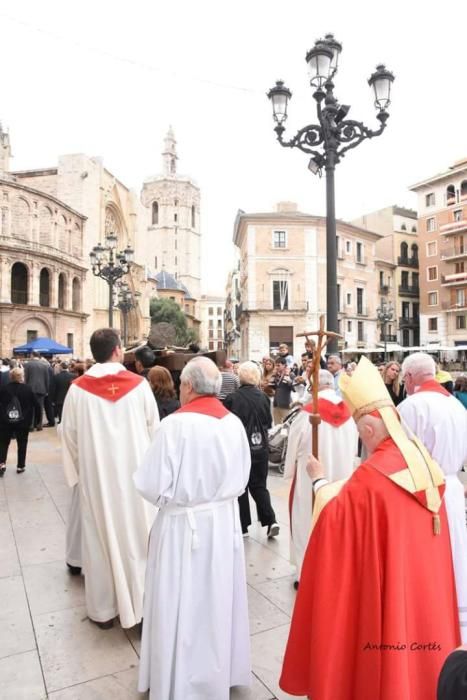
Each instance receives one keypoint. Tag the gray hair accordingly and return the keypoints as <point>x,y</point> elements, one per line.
<point>419,364</point>
<point>248,373</point>
<point>335,357</point>
<point>17,374</point>
<point>325,378</point>
<point>203,376</point>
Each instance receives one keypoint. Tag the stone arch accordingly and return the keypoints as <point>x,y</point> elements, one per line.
<point>35,322</point>
<point>45,226</point>
<point>19,283</point>
<point>404,250</point>
<point>44,287</point>
<point>20,218</point>
<point>450,194</point>
<point>114,224</point>
<point>76,294</point>
<point>62,291</point>
<point>62,234</point>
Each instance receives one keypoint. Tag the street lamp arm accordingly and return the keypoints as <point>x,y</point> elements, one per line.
<point>307,139</point>
<point>352,133</point>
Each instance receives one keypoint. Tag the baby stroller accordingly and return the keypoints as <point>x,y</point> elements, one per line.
<point>277,440</point>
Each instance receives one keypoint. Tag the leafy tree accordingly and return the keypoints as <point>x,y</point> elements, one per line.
<point>168,311</point>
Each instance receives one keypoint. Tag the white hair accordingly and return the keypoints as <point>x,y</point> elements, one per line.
<point>419,364</point>
<point>248,373</point>
<point>335,357</point>
<point>325,378</point>
<point>203,376</point>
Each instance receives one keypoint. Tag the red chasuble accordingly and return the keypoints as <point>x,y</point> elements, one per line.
<point>112,386</point>
<point>376,611</point>
<point>207,406</point>
<point>336,414</point>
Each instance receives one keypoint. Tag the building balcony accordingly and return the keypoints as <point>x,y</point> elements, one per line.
<point>409,290</point>
<point>454,253</point>
<point>265,306</point>
<point>451,306</point>
<point>458,278</point>
<point>407,262</point>
<point>384,289</point>
<point>453,227</point>
<point>408,321</point>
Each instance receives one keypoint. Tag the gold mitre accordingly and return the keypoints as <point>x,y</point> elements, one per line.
<point>365,392</point>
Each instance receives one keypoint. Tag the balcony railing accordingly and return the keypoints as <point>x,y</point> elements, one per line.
<point>453,227</point>
<point>384,289</point>
<point>407,262</point>
<point>362,311</point>
<point>454,305</point>
<point>407,290</point>
<point>388,338</point>
<point>456,278</point>
<point>406,321</point>
<point>297,305</point>
<point>19,296</point>
<point>454,252</point>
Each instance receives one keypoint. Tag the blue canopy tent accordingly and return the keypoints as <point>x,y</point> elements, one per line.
<point>46,346</point>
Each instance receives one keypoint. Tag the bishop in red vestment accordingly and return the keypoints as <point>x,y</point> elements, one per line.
<point>376,611</point>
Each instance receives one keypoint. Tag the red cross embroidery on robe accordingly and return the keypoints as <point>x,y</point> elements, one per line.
<point>112,386</point>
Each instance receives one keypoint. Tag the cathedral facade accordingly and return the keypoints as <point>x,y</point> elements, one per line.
<point>51,219</point>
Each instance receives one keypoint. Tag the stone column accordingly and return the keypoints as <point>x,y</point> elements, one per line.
<point>5,280</point>
<point>54,289</point>
<point>34,287</point>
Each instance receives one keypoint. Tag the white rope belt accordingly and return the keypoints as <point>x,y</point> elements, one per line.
<point>172,509</point>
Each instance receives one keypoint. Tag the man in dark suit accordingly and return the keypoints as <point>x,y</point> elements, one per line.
<point>62,383</point>
<point>36,375</point>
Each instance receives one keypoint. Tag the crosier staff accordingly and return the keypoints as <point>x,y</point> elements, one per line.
<point>323,337</point>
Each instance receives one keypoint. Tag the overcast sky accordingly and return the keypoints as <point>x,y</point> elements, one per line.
<point>107,78</point>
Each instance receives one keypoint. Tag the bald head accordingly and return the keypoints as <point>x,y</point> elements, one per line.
<point>372,431</point>
<point>200,377</point>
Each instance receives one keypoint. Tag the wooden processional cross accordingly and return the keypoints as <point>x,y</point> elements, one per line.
<point>323,337</point>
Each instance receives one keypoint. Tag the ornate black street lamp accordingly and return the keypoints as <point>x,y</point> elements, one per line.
<point>110,265</point>
<point>127,300</point>
<point>330,139</point>
<point>384,314</point>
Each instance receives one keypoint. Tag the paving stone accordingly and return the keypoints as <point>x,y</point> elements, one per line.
<point>263,614</point>
<point>50,587</point>
<point>16,633</point>
<point>279,591</point>
<point>9,562</point>
<point>267,652</point>
<point>73,650</point>
<point>263,564</point>
<point>21,677</point>
<point>38,545</point>
<point>119,686</point>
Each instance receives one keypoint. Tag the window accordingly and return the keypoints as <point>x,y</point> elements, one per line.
<point>403,227</point>
<point>431,224</point>
<point>349,326</point>
<point>405,309</point>
<point>404,250</point>
<point>348,246</point>
<point>175,202</point>
<point>279,239</point>
<point>432,298</point>
<point>19,284</point>
<point>359,300</point>
<point>220,345</point>
<point>348,299</point>
<point>30,336</point>
<point>458,215</point>
<point>280,295</point>
<point>211,323</point>
<point>432,273</point>
<point>211,310</point>
<point>211,345</point>
<point>460,322</point>
<point>69,340</point>
<point>414,229</point>
<point>404,278</point>
<point>359,252</point>
<point>219,310</point>
<point>338,297</point>
<point>175,244</point>
<point>155,213</point>
<point>433,324</point>
<point>211,333</point>
<point>430,199</point>
<point>431,249</point>
<point>176,261</point>
<point>175,217</point>
<point>219,323</point>
<point>460,297</point>
<point>193,216</point>
<point>155,262</point>
<point>450,195</point>
<point>360,331</point>
<point>459,268</point>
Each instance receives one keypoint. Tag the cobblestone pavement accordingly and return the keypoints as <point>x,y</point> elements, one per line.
<point>48,648</point>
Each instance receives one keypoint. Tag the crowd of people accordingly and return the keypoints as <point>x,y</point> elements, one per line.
<point>161,478</point>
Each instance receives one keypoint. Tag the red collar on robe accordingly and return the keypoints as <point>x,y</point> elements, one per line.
<point>111,386</point>
<point>336,414</point>
<point>207,406</point>
<point>432,385</point>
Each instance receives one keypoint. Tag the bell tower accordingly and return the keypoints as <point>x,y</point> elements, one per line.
<point>169,154</point>
<point>5,150</point>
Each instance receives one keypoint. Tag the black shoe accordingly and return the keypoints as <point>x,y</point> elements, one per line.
<point>2,469</point>
<point>103,625</point>
<point>49,425</point>
<point>39,427</point>
<point>273,530</point>
<point>74,570</point>
<point>20,470</point>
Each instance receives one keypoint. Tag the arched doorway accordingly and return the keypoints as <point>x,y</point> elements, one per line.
<point>44,287</point>
<point>19,283</point>
<point>61,291</point>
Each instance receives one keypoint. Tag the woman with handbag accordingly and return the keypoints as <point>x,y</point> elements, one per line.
<point>17,406</point>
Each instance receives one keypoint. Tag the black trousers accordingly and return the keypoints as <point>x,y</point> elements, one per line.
<point>49,410</point>
<point>22,436</point>
<point>261,496</point>
<point>37,413</point>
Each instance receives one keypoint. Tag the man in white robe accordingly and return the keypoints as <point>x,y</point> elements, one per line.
<point>195,642</point>
<point>337,440</point>
<point>440,421</point>
<point>109,418</point>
